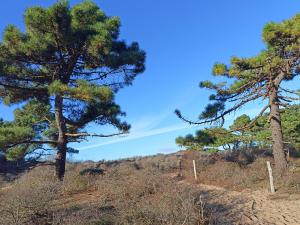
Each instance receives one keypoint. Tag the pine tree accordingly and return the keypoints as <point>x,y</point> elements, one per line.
<point>237,137</point>
<point>23,136</point>
<point>208,138</point>
<point>70,59</point>
<point>259,77</point>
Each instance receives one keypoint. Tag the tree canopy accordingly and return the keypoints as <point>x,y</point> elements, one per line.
<point>67,64</point>
<point>258,77</point>
<point>259,135</point>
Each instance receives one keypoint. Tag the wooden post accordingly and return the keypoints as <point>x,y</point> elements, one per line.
<point>195,172</point>
<point>180,168</point>
<point>271,177</point>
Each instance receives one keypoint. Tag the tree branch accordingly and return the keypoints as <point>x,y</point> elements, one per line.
<point>94,135</point>
<point>221,116</point>
<point>31,142</point>
<point>289,91</point>
<point>248,126</point>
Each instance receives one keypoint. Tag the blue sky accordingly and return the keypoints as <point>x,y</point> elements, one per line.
<point>183,39</point>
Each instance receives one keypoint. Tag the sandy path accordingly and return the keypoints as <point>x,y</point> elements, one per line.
<point>227,207</point>
<point>250,207</point>
<point>230,207</point>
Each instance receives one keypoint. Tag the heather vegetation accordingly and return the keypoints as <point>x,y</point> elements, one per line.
<point>133,191</point>
<point>157,189</point>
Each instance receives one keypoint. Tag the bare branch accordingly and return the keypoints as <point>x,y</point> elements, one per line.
<point>288,99</point>
<point>221,116</point>
<point>31,142</point>
<point>289,91</point>
<point>248,126</point>
<point>94,135</point>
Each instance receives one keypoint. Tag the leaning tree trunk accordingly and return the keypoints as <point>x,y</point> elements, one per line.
<point>276,129</point>
<point>60,161</point>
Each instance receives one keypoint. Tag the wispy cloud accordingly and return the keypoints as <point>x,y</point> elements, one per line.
<point>139,135</point>
<point>151,124</point>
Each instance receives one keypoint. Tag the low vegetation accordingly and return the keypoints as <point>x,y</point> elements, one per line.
<point>144,190</point>
<point>241,170</point>
<point>123,195</point>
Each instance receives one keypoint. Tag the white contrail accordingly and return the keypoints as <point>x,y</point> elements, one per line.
<point>138,135</point>
<point>144,127</point>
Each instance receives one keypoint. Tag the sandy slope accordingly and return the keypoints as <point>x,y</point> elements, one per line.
<point>233,207</point>
<point>251,207</point>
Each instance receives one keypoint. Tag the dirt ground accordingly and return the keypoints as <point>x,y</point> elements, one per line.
<point>247,207</point>
<point>251,207</point>
<point>231,207</point>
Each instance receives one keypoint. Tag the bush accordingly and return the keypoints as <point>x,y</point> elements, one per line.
<point>29,198</point>
<point>91,171</point>
<point>138,191</point>
<point>126,195</point>
<point>146,196</point>
<point>74,182</point>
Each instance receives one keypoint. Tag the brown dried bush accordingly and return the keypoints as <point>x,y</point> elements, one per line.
<point>127,195</point>
<point>135,191</point>
<point>28,200</point>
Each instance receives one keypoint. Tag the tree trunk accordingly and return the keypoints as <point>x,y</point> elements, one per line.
<point>276,129</point>
<point>60,162</point>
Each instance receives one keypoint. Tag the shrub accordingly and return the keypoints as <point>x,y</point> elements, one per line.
<point>29,198</point>
<point>91,171</point>
<point>146,196</point>
<point>74,182</point>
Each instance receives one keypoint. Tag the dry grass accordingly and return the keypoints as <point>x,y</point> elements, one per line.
<point>240,170</point>
<point>29,198</point>
<point>124,195</point>
<point>233,176</point>
<point>136,191</point>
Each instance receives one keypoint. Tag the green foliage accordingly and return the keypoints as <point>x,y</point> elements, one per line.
<point>9,133</point>
<point>238,137</point>
<point>254,77</point>
<point>30,123</point>
<point>290,120</point>
<point>82,91</point>
<point>219,69</point>
<point>209,137</point>
<point>91,171</point>
<point>212,110</point>
<point>287,33</point>
<point>240,122</point>
<point>69,53</point>
<point>258,78</point>
<point>291,126</point>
